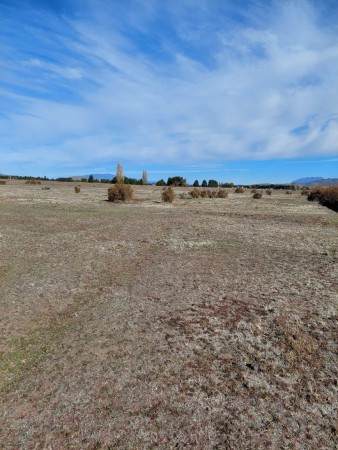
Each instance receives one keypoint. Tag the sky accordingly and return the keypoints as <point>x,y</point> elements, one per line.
<point>233,90</point>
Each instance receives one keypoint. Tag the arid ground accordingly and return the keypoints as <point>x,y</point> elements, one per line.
<point>205,324</point>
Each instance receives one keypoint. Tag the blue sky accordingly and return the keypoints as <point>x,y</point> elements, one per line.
<point>242,91</point>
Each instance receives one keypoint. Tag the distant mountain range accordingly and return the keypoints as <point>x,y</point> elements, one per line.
<point>97,176</point>
<point>316,181</point>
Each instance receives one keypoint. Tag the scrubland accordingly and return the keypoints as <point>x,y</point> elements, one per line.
<point>206,323</point>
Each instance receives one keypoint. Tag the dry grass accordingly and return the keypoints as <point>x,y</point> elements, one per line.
<point>206,325</point>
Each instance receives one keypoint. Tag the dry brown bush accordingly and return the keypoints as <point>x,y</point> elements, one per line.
<point>3,181</point>
<point>222,193</point>
<point>325,196</point>
<point>305,191</point>
<point>204,193</point>
<point>33,182</point>
<point>212,194</point>
<point>257,195</point>
<point>253,191</point>
<point>120,193</point>
<point>77,189</point>
<point>239,190</point>
<point>288,192</point>
<point>168,195</point>
<point>195,193</point>
<point>268,192</point>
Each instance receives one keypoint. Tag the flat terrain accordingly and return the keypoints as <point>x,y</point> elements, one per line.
<point>205,324</point>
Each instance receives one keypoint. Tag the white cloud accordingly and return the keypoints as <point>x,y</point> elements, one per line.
<point>214,92</point>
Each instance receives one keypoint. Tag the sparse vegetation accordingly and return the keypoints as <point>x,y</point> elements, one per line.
<point>168,195</point>
<point>257,195</point>
<point>154,327</point>
<point>239,190</point>
<point>120,193</point>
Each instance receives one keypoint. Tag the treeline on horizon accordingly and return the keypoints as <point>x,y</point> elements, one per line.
<point>171,181</point>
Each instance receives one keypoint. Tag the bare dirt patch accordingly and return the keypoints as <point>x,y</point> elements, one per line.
<point>202,324</point>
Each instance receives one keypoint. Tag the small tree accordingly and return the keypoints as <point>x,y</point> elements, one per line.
<point>160,182</point>
<point>119,174</point>
<point>145,177</point>
<point>196,183</point>
<point>204,183</point>
<point>213,183</point>
<point>91,179</point>
<point>176,181</point>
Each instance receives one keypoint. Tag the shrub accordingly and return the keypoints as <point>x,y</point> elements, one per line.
<point>268,192</point>
<point>305,191</point>
<point>77,189</point>
<point>203,193</point>
<point>168,195</point>
<point>253,191</point>
<point>288,192</point>
<point>3,182</point>
<point>212,194</point>
<point>326,197</point>
<point>120,193</point>
<point>239,190</point>
<point>222,193</point>
<point>195,193</point>
<point>160,182</point>
<point>257,195</point>
<point>33,182</point>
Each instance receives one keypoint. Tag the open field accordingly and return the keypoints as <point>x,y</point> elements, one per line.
<point>205,324</point>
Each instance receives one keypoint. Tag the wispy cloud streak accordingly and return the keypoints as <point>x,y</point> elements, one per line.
<point>173,82</point>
